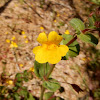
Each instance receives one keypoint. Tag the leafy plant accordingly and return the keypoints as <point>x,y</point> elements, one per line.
<point>18,91</point>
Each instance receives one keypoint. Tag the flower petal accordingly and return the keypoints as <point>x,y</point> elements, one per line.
<point>35,50</point>
<point>63,49</point>
<point>42,38</point>
<point>41,55</point>
<point>67,32</point>
<point>47,53</point>
<point>53,56</point>
<point>54,37</point>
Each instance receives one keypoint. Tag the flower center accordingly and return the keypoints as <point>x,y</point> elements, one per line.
<point>50,46</point>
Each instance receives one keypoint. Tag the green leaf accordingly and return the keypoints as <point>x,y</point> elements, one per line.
<point>1,88</point>
<point>9,96</point>
<point>88,38</point>
<point>23,93</point>
<point>49,95</point>
<point>26,79</point>
<point>15,88</point>
<point>74,48</point>
<point>16,96</point>
<point>18,84</point>
<point>77,24</point>
<point>19,77</point>
<point>97,93</point>
<point>24,88</point>
<point>66,38</point>
<point>30,75</point>
<point>61,23</point>
<point>27,75</point>
<point>51,84</point>
<point>92,20</point>
<point>41,69</point>
<point>96,1</point>
<point>30,97</point>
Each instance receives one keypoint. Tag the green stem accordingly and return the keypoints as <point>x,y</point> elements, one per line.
<point>51,69</point>
<point>42,93</point>
<point>47,76</point>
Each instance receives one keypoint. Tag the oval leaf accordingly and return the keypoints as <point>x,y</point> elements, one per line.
<point>74,48</point>
<point>49,96</point>
<point>41,69</point>
<point>77,24</point>
<point>92,20</point>
<point>96,2</point>
<point>30,97</point>
<point>51,84</point>
<point>88,38</point>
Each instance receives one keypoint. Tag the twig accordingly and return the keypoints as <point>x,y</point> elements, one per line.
<point>33,9</point>
<point>42,93</point>
<point>15,59</point>
<point>71,41</point>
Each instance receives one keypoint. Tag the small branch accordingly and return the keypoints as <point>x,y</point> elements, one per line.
<point>84,31</point>
<point>42,93</point>
<point>33,9</point>
<point>50,71</point>
<point>71,41</point>
<point>88,30</point>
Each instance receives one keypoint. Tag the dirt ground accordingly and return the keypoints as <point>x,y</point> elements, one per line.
<point>17,16</point>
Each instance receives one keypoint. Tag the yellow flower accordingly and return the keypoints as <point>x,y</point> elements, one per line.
<point>13,38</point>
<point>9,82</point>
<point>13,45</point>
<point>84,59</point>
<point>50,50</point>
<point>25,36</point>
<point>16,5</point>
<point>31,69</point>
<point>23,32</point>
<point>7,40</point>
<point>67,32</point>
<point>6,33</point>
<point>42,28</point>
<point>26,41</point>
<point>55,21</point>
<point>21,65</point>
<point>58,14</point>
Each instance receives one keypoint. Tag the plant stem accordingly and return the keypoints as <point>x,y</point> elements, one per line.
<point>51,69</point>
<point>47,76</point>
<point>42,93</point>
<point>71,41</point>
<point>84,31</point>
